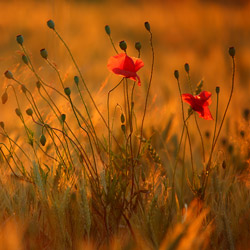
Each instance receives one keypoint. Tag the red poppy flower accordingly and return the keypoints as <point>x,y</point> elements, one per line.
<point>125,66</point>
<point>200,103</point>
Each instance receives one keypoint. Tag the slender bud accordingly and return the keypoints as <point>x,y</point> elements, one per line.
<point>176,74</point>
<point>25,59</point>
<point>4,97</point>
<point>138,46</point>
<point>29,112</point>
<point>231,51</point>
<point>2,125</point>
<point>51,24</point>
<point>63,117</point>
<point>123,45</point>
<point>44,53</point>
<point>123,127</point>
<point>67,91</point>
<point>122,118</point>
<point>24,89</point>
<point>147,26</point>
<point>8,74</point>
<point>18,112</point>
<point>19,39</point>
<point>217,89</point>
<point>107,29</point>
<point>38,84</point>
<point>76,80</point>
<point>186,66</point>
<point>43,140</point>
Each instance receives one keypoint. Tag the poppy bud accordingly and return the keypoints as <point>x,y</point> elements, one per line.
<point>44,53</point>
<point>4,97</point>
<point>25,59</point>
<point>123,127</point>
<point>107,29</point>
<point>2,125</point>
<point>217,89</point>
<point>19,39</point>
<point>67,91</point>
<point>38,84</point>
<point>18,112</point>
<point>29,112</point>
<point>8,74</point>
<point>186,66</point>
<point>138,46</point>
<point>147,26</point>
<point>51,24</point>
<point>231,51</point>
<point>123,45</point>
<point>43,140</point>
<point>76,80</point>
<point>176,74</point>
<point>122,118</point>
<point>63,117</point>
<point>23,88</point>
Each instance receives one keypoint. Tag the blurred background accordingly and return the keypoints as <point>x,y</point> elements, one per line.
<point>194,32</point>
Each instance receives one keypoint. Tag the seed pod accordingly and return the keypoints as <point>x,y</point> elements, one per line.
<point>25,59</point>
<point>147,26</point>
<point>123,127</point>
<point>122,118</point>
<point>38,84</point>
<point>44,53</point>
<point>186,66</point>
<point>231,51</point>
<point>8,74</point>
<point>63,117</point>
<point>76,80</point>
<point>18,112</point>
<point>176,74</point>
<point>67,91</point>
<point>138,46</point>
<point>217,89</point>
<point>2,125</point>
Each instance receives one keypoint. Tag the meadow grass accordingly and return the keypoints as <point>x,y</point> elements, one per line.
<point>77,175</point>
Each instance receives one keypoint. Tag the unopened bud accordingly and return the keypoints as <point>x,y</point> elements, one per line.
<point>29,112</point>
<point>186,66</point>
<point>147,26</point>
<point>138,46</point>
<point>51,24</point>
<point>76,80</point>
<point>107,29</point>
<point>8,74</point>
<point>176,74</point>
<point>67,91</point>
<point>231,51</point>
<point>4,97</point>
<point>44,53</point>
<point>43,140</point>
<point>122,118</point>
<point>123,45</point>
<point>217,89</point>
<point>19,39</point>
<point>2,125</point>
<point>38,84</point>
<point>24,89</point>
<point>63,117</point>
<point>18,112</point>
<point>25,59</point>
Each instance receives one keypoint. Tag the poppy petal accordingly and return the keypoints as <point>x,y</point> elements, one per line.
<point>206,114</point>
<point>205,97</point>
<point>138,63</point>
<point>188,98</point>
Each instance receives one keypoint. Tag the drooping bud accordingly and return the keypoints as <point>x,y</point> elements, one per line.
<point>123,45</point>
<point>24,89</point>
<point>43,140</point>
<point>63,117</point>
<point>4,97</point>
<point>217,89</point>
<point>51,24</point>
<point>147,26</point>
<point>25,59</point>
<point>67,91</point>
<point>18,112</point>
<point>176,74</point>
<point>8,74</point>
<point>107,29</point>
<point>29,112</point>
<point>38,84</point>
<point>44,53</point>
<point>186,66</point>
<point>76,80</point>
<point>19,39</point>
<point>2,125</point>
<point>231,51</point>
<point>138,46</point>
